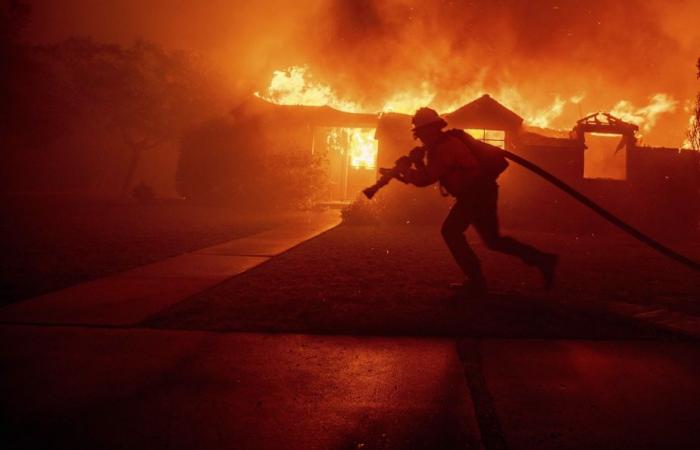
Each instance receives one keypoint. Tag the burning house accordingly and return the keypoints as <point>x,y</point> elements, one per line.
<point>657,189</point>
<point>345,141</point>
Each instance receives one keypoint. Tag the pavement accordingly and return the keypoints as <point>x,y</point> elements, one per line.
<point>132,296</point>
<point>82,368</point>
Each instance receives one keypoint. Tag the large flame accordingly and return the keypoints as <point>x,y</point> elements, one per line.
<point>295,86</point>
<point>645,116</point>
<point>359,143</point>
<point>363,148</point>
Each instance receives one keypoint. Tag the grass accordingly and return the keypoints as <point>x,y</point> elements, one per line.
<point>392,280</point>
<point>53,243</point>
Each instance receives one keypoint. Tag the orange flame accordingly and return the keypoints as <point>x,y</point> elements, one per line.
<point>363,148</point>
<point>645,116</point>
<point>295,86</point>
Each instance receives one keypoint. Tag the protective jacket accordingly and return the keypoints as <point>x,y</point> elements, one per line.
<point>450,162</point>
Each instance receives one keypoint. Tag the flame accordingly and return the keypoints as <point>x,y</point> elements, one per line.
<point>688,143</point>
<point>408,102</point>
<point>646,116</point>
<point>692,139</point>
<point>363,148</point>
<point>294,87</point>
<point>359,143</point>
<point>545,117</point>
<point>512,99</point>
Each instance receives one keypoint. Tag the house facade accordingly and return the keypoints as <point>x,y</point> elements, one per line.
<point>655,189</point>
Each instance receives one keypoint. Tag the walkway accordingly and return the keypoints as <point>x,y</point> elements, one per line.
<point>132,296</point>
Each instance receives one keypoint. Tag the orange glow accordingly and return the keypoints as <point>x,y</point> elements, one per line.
<point>645,116</point>
<point>552,63</point>
<point>294,86</point>
<point>363,148</point>
<point>602,159</point>
<point>357,143</point>
<point>493,137</point>
<point>297,86</point>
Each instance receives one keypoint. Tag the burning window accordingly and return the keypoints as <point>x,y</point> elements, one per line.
<point>493,137</point>
<point>605,156</point>
<point>357,144</point>
<point>351,156</point>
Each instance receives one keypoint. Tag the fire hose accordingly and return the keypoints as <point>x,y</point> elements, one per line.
<point>387,175</point>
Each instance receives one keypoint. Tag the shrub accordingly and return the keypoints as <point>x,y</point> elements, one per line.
<point>237,162</point>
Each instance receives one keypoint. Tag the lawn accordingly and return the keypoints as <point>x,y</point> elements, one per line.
<point>51,243</point>
<point>392,280</point>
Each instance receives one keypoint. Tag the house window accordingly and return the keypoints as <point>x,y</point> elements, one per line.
<point>350,156</point>
<point>605,156</point>
<point>493,137</point>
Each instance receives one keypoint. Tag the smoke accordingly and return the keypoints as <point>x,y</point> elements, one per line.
<point>597,55</point>
<point>536,57</point>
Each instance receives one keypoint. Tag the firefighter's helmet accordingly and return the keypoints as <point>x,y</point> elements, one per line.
<point>427,117</point>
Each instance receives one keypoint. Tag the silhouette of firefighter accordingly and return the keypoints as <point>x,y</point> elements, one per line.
<point>467,169</point>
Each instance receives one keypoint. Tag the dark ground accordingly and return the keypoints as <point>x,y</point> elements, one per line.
<point>385,358</point>
<point>391,280</point>
<point>52,243</point>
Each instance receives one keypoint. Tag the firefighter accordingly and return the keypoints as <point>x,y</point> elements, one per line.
<point>452,163</point>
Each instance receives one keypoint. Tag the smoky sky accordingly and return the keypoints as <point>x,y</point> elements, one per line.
<point>451,43</point>
<point>368,50</point>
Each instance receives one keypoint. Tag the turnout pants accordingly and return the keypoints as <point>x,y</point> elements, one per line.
<point>480,208</point>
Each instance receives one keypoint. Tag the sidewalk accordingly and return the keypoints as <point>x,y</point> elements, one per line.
<point>127,298</point>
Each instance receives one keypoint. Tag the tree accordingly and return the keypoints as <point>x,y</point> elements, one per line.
<point>144,94</point>
<point>79,108</point>
<point>36,103</point>
<point>694,131</point>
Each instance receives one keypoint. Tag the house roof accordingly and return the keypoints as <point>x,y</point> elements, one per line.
<point>484,112</point>
<point>324,116</point>
<point>605,123</point>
